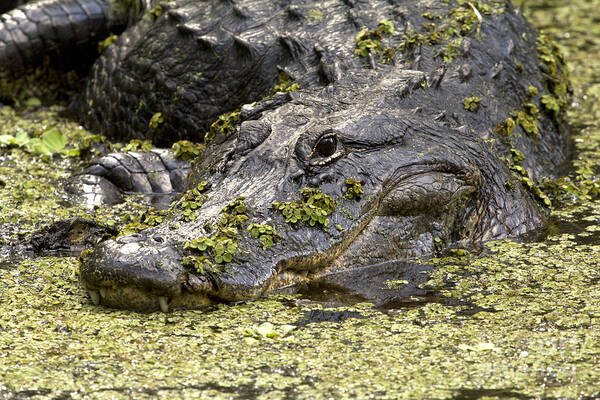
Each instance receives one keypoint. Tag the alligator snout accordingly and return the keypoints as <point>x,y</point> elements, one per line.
<point>143,273</point>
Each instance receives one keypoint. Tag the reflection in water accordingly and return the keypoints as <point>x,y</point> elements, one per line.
<point>581,226</point>
<point>392,284</point>
<point>316,316</point>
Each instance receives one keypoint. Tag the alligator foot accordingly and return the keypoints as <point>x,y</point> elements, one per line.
<point>68,237</point>
<point>155,173</point>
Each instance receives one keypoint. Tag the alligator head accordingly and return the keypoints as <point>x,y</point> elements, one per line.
<point>327,181</point>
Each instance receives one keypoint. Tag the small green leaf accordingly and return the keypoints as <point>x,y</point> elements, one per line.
<point>7,140</point>
<point>266,329</point>
<point>285,329</point>
<point>36,146</point>
<point>21,138</point>
<point>53,140</point>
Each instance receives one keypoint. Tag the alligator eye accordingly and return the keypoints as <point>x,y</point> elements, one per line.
<point>327,146</point>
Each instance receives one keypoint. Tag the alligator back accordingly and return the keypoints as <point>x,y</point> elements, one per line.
<point>200,59</point>
<point>192,61</point>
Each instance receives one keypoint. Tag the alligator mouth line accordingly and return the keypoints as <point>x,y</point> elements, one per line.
<point>287,271</point>
<point>302,268</point>
<point>141,300</point>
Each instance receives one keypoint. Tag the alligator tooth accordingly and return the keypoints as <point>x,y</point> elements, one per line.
<point>95,296</point>
<point>103,293</point>
<point>164,303</point>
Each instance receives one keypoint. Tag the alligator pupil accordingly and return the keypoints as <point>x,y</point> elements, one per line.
<point>326,146</point>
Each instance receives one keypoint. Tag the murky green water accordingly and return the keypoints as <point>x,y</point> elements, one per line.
<point>520,322</point>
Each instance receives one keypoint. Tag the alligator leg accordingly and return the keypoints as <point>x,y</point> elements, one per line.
<point>155,173</point>
<point>59,30</point>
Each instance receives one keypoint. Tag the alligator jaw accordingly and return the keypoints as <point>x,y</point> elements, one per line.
<point>143,275</point>
<point>131,298</point>
<point>191,296</point>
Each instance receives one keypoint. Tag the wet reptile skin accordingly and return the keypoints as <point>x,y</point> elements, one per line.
<point>433,172</point>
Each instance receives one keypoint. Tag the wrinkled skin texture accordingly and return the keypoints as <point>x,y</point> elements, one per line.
<point>432,175</point>
<point>155,173</point>
<point>61,35</point>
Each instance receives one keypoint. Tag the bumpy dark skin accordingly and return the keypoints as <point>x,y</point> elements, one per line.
<point>432,172</point>
<point>152,172</point>
<point>418,186</point>
<point>8,5</point>
<point>59,34</point>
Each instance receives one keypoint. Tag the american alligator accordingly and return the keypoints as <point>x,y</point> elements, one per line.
<point>417,125</point>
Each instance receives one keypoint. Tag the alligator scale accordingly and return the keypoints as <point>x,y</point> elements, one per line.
<point>396,129</point>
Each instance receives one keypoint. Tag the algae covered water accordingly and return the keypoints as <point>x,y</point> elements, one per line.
<point>518,321</point>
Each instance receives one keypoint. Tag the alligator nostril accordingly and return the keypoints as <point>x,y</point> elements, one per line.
<point>325,177</point>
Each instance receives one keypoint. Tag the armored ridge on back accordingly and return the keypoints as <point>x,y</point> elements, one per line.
<point>417,125</point>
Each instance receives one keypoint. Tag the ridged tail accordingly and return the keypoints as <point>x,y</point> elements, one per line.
<point>59,31</point>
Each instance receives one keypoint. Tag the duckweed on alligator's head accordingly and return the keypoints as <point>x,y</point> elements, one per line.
<point>313,208</point>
